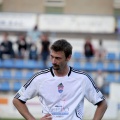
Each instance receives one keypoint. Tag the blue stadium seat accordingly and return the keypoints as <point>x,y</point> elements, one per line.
<point>110,78</point>
<point>6,75</point>
<point>89,66</point>
<point>106,89</point>
<point>28,75</point>
<point>17,86</point>
<point>111,56</point>
<point>118,68</point>
<point>31,64</point>
<point>18,75</point>
<point>19,64</point>
<point>76,65</point>
<point>77,55</point>
<point>99,66</point>
<point>40,64</point>
<point>5,86</point>
<point>8,63</point>
<point>111,67</point>
<point>119,56</point>
<point>1,65</point>
<point>118,79</point>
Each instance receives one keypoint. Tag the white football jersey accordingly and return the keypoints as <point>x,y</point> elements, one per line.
<point>62,97</point>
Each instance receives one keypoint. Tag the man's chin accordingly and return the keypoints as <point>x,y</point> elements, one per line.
<point>55,68</point>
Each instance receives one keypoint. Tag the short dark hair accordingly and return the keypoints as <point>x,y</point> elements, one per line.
<point>62,45</point>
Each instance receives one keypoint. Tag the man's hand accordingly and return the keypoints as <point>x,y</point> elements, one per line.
<point>47,117</point>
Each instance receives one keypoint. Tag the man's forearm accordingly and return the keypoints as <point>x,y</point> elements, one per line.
<point>23,110</point>
<point>101,108</point>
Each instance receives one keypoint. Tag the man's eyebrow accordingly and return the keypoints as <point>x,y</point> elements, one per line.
<point>54,56</point>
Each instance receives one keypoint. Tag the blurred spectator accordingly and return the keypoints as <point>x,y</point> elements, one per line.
<point>6,47</point>
<point>100,80</point>
<point>100,52</point>
<point>22,46</point>
<point>33,52</point>
<point>45,43</point>
<point>34,34</point>
<point>88,48</point>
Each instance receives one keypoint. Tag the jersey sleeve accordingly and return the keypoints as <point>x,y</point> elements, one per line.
<point>92,93</point>
<point>29,90</point>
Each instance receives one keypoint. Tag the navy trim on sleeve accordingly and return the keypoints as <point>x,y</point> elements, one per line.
<point>22,101</point>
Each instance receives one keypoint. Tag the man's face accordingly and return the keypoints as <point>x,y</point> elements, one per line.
<point>5,37</point>
<point>58,59</point>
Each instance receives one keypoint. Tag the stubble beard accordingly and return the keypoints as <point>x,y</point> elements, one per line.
<point>56,67</point>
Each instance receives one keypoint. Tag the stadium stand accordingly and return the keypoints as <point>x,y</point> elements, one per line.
<point>40,64</point>
<point>110,78</point>
<point>5,86</point>
<point>119,56</point>
<point>0,63</point>
<point>28,74</point>
<point>8,63</point>
<point>118,80</point>
<point>106,90</point>
<point>119,67</point>
<point>99,66</point>
<point>77,55</point>
<point>17,86</point>
<point>17,71</point>
<point>111,67</point>
<point>6,75</point>
<point>19,64</point>
<point>77,65</point>
<point>30,64</point>
<point>18,75</point>
<point>111,56</point>
<point>88,66</point>
<point>49,64</point>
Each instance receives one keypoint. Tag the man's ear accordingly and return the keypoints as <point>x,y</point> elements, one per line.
<point>68,58</point>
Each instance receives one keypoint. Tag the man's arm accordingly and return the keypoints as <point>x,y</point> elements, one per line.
<point>23,110</point>
<point>101,108</point>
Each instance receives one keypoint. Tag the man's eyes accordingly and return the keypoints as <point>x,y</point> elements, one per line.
<point>58,58</point>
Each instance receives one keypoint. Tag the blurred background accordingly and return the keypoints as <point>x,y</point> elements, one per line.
<point>29,27</point>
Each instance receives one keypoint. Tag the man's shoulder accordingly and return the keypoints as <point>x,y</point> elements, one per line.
<point>79,72</point>
<point>43,71</point>
<point>37,76</point>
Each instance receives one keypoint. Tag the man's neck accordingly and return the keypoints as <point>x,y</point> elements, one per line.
<point>62,72</point>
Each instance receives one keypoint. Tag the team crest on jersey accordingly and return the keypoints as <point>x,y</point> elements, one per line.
<point>60,88</point>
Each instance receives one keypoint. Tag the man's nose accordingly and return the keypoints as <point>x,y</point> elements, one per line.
<point>53,60</point>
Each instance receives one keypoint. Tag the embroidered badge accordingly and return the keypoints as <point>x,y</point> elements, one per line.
<point>60,88</point>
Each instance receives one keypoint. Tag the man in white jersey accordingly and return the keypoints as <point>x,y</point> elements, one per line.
<point>61,89</point>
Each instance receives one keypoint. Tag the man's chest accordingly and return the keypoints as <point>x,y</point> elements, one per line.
<point>54,90</point>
